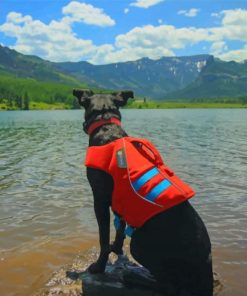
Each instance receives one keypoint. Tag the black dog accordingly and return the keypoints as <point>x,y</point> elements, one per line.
<point>174,245</point>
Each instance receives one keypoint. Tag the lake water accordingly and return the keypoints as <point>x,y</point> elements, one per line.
<point>46,206</point>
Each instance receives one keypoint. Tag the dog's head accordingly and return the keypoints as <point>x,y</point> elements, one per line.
<point>102,104</point>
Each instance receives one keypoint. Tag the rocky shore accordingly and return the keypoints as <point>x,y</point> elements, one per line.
<point>122,278</point>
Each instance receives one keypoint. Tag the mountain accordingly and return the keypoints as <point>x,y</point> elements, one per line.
<point>218,79</point>
<point>191,78</point>
<point>146,77</point>
<point>29,79</point>
<point>24,66</point>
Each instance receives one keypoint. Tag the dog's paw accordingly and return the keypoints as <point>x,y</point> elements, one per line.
<point>96,268</point>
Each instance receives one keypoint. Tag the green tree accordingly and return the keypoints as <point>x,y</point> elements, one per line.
<point>26,102</point>
<point>75,104</point>
<point>243,100</point>
<point>18,102</point>
<point>9,103</point>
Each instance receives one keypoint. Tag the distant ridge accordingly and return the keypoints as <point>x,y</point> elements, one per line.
<point>217,80</point>
<point>146,77</point>
<point>25,66</point>
<point>188,78</point>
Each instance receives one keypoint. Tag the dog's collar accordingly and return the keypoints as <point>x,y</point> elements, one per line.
<point>92,127</point>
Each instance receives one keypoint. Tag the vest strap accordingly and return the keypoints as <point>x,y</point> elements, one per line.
<point>129,230</point>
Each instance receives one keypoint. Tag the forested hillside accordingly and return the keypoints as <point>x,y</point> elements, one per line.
<point>18,93</point>
<point>28,79</point>
<point>23,66</point>
<point>218,81</point>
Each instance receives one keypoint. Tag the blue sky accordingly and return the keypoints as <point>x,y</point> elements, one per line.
<point>109,31</point>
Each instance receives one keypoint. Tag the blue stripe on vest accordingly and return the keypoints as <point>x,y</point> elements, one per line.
<point>158,189</point>
<point>145,178</point>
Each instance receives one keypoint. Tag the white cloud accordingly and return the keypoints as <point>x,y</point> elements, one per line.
<point>148,41</point>
<point>216,14</point>
<point>88,14</point>
<point>190,13</point>
<point>233,26</point>
<point>160,21</point>
<point>126,10</point>
<point>165,36</point>
<point>56,40</point>
<point>145,3</point>
<point>234,17</point>
<point>17,18</point>
<point>218,47</point>
<point>113,55</point>
<point>238,55</point>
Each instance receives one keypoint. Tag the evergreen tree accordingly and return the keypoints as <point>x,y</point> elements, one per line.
<point>26,102</point>
<point>9,102</point>
<point>75,104</point>
<point>18,102</point>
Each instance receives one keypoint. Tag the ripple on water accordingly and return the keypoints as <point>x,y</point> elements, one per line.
<point>45,194</point>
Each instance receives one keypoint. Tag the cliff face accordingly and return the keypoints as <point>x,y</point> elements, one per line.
<point>217,79</point>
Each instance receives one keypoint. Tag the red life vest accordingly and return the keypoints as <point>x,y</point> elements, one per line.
<point>143,185</point>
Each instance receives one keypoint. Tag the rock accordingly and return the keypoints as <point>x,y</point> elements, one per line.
<point>121,278</point>
<point>62,285</point>
<point>218,286</point>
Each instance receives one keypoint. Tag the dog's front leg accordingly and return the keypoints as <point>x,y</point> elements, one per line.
<point>103,218</point>
<point>102,185</point>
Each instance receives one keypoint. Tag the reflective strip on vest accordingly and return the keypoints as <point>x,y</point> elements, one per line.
<point>145,178</point>
<point>157,190</point>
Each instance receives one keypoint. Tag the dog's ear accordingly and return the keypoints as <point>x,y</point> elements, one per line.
<point>82,95</point>
<point>122,97</point>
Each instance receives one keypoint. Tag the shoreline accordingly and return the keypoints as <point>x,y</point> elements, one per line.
<point>35,106</point>
<point>28,271</point>
<point>185,105</point>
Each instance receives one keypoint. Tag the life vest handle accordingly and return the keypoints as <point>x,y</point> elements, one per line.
<point>157,157</point>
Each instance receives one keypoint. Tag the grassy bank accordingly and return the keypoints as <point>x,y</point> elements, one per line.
<point>38,106</point>
<point>46,106</point>
<point>181,105</point>
<point>133,105</point>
